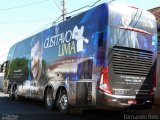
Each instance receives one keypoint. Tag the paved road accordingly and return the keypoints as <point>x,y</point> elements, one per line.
<point>34,110</point>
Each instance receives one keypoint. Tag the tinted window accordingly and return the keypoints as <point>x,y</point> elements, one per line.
<point>22,49</point>
<point>10,54</point>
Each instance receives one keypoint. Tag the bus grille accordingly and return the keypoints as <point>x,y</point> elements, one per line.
<point>131,61</point>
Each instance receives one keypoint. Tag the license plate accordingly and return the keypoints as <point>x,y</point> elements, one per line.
<point>131,102</point>
<point>119,92</point>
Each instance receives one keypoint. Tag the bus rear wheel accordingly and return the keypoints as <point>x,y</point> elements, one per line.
<point>49,101</point>
<point>63,104</point>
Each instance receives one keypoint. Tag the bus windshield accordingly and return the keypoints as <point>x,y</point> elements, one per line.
<point>132,27</point>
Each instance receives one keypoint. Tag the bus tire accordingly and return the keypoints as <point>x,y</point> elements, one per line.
<point>11,95</point>
<point>8,90</point>
<point>149,105</point>
<point>63,104</point>
<point>49,101</point>
<point>16,96</point>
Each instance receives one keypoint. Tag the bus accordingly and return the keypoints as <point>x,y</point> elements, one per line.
<point>1,81</point>
<point>104,57</point>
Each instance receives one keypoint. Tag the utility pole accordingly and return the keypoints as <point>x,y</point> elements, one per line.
<point>63,10</point>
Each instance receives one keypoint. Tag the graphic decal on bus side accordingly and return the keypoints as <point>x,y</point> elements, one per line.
<point>78,35</point>
<point>66,41</point>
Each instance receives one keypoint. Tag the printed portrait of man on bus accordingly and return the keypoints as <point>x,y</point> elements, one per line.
<point>37,69</point>
<point>36,59</point>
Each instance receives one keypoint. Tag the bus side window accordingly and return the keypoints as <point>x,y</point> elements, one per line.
<point>85,69</point>
<point>101,49</point>
<point>100,39</point>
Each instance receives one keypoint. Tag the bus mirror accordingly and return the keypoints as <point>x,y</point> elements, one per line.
<point>1,69</point>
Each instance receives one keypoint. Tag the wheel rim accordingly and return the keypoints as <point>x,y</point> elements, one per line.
<point>63,101</point>
<point>49,98</point>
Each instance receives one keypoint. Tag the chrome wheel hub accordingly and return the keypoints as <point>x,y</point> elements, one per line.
<point>63,101</point>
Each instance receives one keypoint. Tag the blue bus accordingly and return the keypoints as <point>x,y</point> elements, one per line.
<point>103,57</point>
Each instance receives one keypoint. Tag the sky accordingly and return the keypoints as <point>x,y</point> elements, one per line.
<point>20,19</point>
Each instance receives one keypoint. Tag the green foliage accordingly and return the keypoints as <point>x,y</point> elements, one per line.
<point>19,69</point>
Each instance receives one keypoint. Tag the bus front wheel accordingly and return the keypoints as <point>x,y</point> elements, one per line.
<point>11,92</point>
<point>16,96</point>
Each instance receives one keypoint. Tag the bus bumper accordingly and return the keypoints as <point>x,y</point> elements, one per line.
<point>126,102</point>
